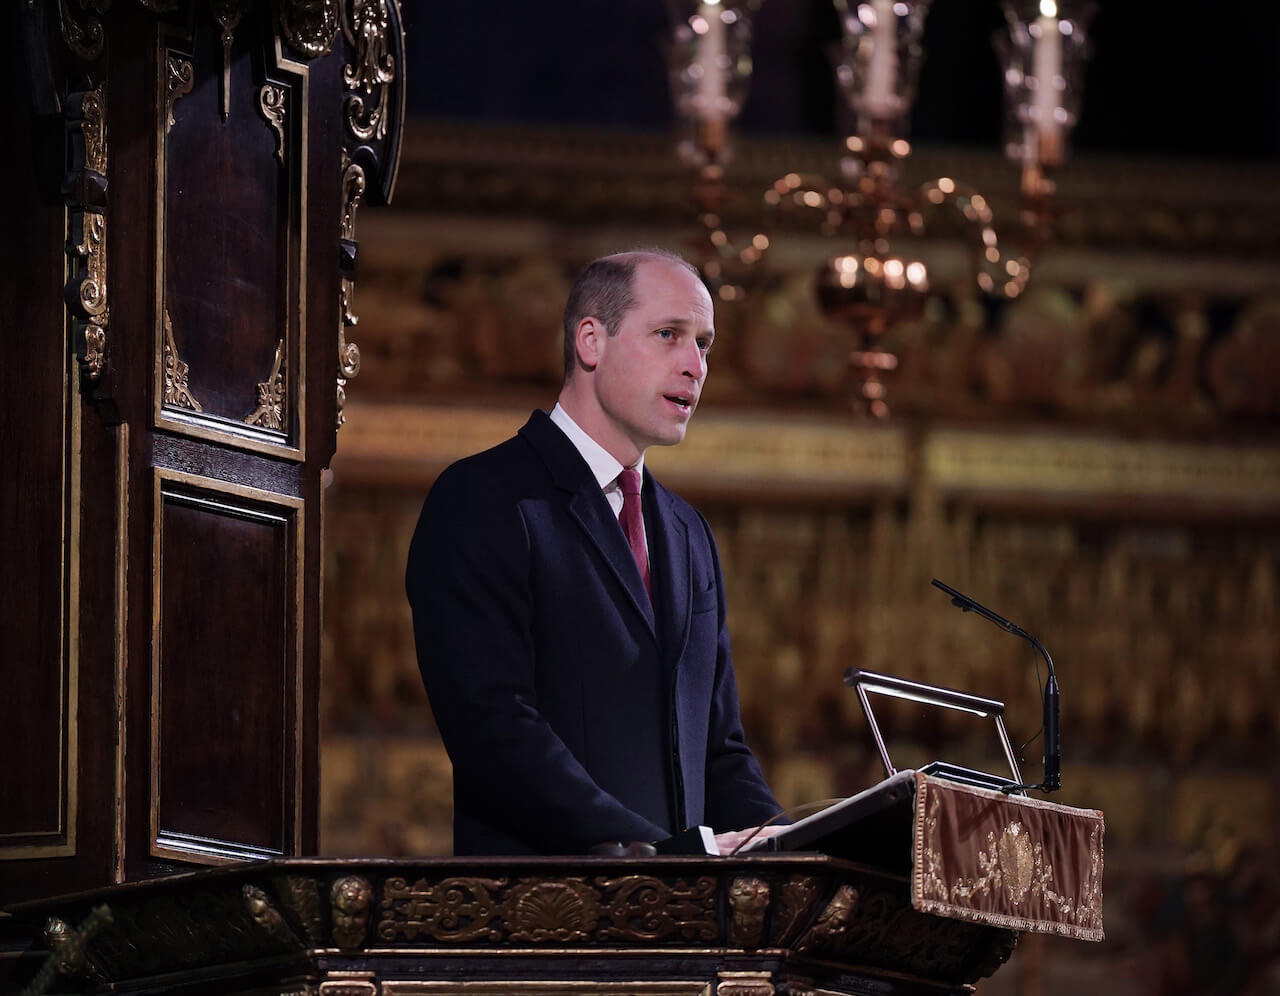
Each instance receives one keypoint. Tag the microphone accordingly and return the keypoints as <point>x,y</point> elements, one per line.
<point>1052,702</point>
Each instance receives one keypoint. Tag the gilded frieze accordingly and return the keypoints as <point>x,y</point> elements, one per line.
<point>351,902</point>
<point>634,908</point>
<point>798,895</point>
<point>832,922</point>
<point>748,902</point>
<point>266,916</point>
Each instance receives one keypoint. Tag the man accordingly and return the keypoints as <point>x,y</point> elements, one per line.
<point>578,708</point>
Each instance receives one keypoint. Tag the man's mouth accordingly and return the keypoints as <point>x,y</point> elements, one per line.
<point>682,400</point>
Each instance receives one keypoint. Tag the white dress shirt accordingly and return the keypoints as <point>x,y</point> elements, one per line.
<point>603,466</point>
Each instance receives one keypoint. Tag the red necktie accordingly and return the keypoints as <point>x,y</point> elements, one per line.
<point>632,522</point>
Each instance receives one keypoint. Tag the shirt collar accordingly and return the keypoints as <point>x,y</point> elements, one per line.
<point>604,467</point>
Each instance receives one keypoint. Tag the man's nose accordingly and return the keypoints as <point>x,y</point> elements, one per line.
<point>695,361</point>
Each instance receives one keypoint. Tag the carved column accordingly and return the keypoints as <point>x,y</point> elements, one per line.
<point>184,179</point>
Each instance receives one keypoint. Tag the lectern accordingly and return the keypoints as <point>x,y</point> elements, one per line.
<point>931,894</point>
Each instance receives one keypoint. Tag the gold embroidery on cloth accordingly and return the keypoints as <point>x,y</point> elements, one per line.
<point>1011,863</point>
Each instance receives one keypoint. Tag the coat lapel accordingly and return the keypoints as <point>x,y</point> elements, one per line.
<point>668,536</point>
<point>589,508</point>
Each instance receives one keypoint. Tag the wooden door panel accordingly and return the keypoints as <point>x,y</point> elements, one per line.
<point>227,583</point>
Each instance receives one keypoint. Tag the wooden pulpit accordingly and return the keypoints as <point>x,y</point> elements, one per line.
<point>179,266</point>
<point>931,896</point>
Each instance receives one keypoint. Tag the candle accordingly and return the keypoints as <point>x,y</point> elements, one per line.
<point>1046,67</point>
<point>711,50</point>
<point>881,99</point>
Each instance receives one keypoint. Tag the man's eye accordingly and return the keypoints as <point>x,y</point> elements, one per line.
<point>704,345</point>
<point>666,333</point>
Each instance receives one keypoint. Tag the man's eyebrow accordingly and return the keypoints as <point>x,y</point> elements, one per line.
<point>683,323</point>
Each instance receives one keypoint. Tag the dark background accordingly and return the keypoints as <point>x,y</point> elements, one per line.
<point>1176,79</point>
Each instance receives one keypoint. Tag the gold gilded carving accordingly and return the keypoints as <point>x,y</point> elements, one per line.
<point>832,922</point>
<point>84,38</point>
<point>562,910</point>
<point>87,241</point>
<point>644,908</point>
<point>748,900</point>
<point>454,909</point>
<point>350,900</point>
<point>266,916</point>
<point>68,947</point>
<point>272,103</point>
<point>176,391</point>
<point>798,894</point>
<point>228,14</point>
<point>300,896</point>
<point>308,26</point>
<point>353,187</point>
<point>374,69</point>
<point>270,411</point>
<point>634,908</point>
<point>343,986</point>
<point>745,984</point>
<point>179,79</point>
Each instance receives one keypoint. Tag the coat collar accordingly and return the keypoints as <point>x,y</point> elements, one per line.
<point>589,508</point>
<point>666,526</point>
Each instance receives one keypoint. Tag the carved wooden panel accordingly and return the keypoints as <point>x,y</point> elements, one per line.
<point>38,504</point>
<point>230,248</point>
<point>168,404</point>
<point>227,581</point>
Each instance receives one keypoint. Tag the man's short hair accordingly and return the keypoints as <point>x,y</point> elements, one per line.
<point>604,290</point>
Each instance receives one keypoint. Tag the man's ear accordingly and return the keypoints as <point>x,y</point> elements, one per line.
<point>589,342</point>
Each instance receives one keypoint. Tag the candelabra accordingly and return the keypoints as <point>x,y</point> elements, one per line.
<point>877,276</point>
<point>710,67</point>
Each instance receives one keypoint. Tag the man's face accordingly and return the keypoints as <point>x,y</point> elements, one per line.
<point>649,375</point>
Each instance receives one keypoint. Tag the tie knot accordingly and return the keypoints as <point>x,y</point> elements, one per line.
<point>629,481</point>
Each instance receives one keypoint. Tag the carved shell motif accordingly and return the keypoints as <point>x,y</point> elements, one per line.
<point>552,911</point>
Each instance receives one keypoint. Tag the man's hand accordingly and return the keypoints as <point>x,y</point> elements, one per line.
<point>731,840</point>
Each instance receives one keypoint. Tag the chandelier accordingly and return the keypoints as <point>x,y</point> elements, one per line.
<point>875,276</point>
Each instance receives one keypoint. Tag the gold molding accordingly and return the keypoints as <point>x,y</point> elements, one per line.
<point>309,27</point>
<point>87,243</point>
<point>1090,466</point>
<point>374,68</point>
<point>731,452</point>
<point>176,391</point>
<point>723,451</point>
<point>269,504</point>
<point>577,987</point>
<point>745,984</point>
<point>179,79</point>
<point>354,182</point>
<point>273,103</point>
<point>270,412</point>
